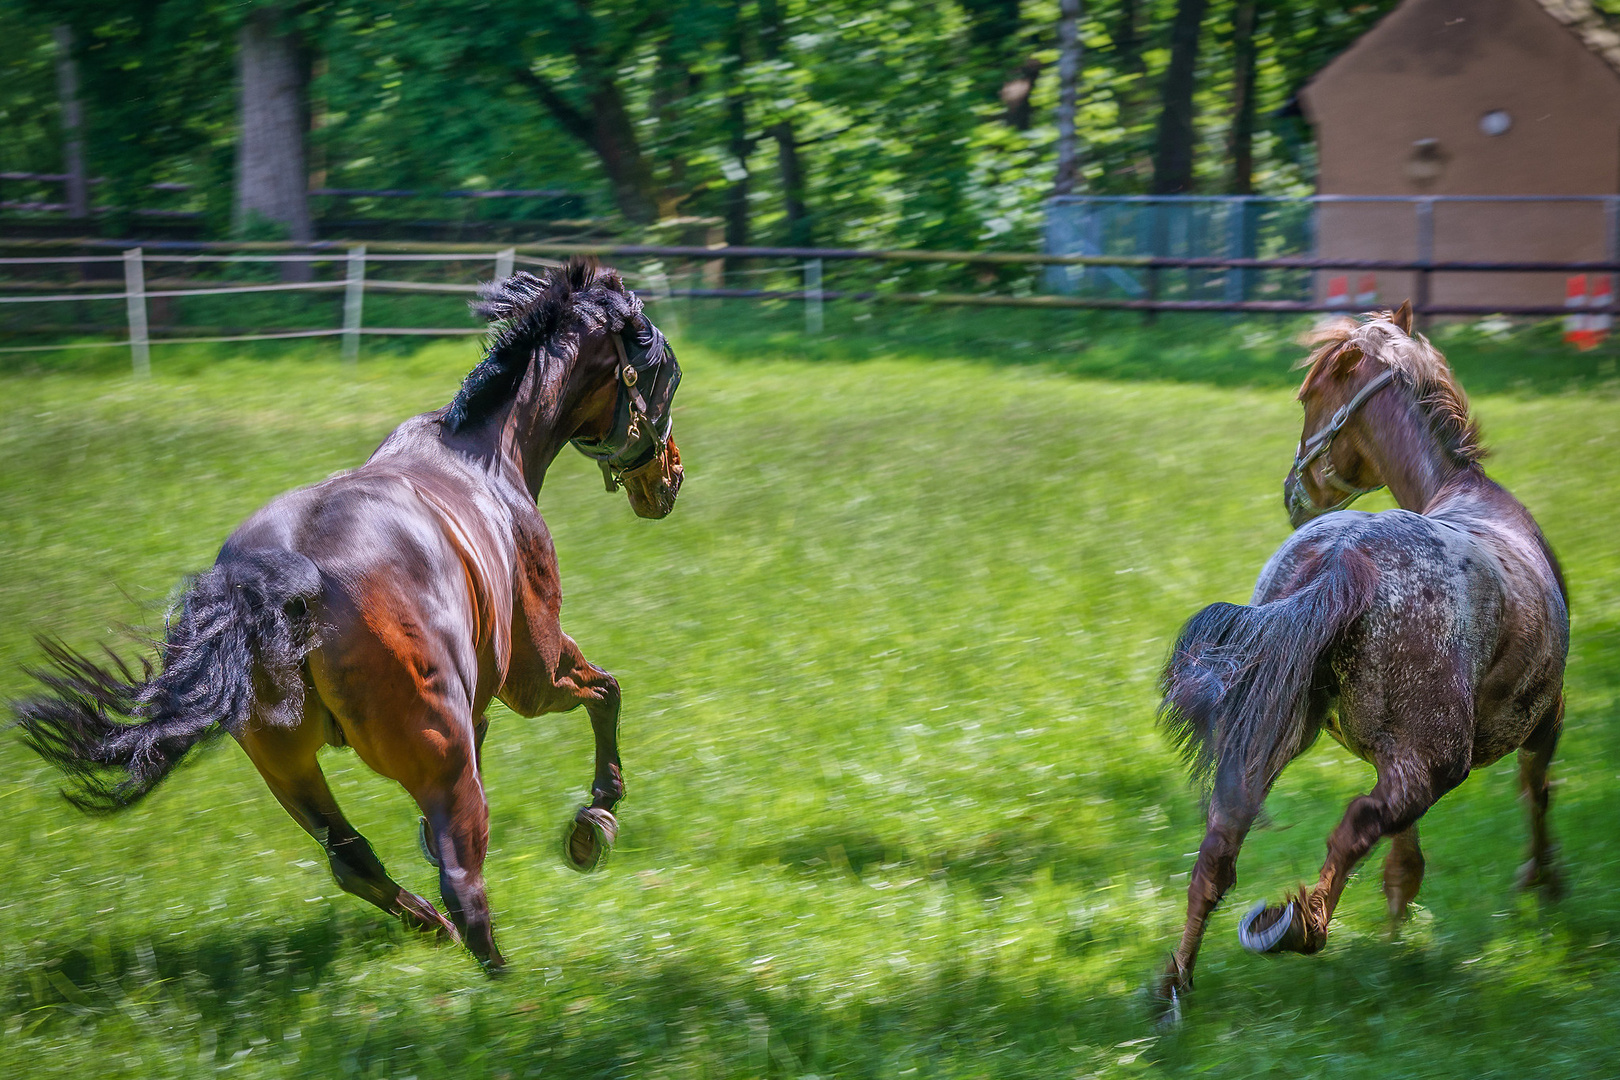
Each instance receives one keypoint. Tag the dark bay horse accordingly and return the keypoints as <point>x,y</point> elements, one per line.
<point>383,608</point>
<point>1428,640</point>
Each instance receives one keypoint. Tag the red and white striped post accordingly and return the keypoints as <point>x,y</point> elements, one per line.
<point>1576,327</point>
<point>1600,307</point>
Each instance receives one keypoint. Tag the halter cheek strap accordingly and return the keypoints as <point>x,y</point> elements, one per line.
<point>1318,445</point>
<point>627,378</point>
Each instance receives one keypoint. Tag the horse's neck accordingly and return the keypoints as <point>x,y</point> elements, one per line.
<point>524,436</point>
<point>1409,458</point>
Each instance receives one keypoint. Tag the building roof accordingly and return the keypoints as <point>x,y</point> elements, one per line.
<point>1589,25</point>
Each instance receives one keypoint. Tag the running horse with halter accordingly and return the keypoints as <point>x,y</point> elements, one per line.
<point>1429,640</point>
<point>384,608</point>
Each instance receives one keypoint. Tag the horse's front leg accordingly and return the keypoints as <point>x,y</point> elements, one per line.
<point>534,687</point>
<point>1540,871</point>
<point>595,829</point>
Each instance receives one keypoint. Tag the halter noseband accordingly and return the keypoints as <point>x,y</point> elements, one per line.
<point>1318,445</point>
<point>640,429</point>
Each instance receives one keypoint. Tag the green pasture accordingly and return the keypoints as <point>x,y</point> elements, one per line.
<point>897,806</point>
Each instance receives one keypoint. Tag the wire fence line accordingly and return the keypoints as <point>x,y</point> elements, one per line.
<point>718,264</point>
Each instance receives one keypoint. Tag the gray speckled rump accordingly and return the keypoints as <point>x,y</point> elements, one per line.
<point>1453,579</point>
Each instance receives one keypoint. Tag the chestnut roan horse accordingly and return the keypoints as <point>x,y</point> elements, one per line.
<point>383,609</point>
<point>1428,640</point>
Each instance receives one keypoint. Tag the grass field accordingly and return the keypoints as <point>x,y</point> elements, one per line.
<point>897,804</point>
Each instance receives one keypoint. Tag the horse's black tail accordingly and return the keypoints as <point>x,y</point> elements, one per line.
<point>234,647</point>
<point>1237,684</point>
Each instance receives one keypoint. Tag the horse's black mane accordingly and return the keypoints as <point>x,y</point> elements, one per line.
<point>527,313</point>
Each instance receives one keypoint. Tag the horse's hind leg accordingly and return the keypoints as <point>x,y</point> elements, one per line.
<point>1403,872</point>
<point>1541,870</point>
<point>1404,792</point>
<point>425,838</point>
<point>1213,874</point>
<point>287,761</point>
<point>458,821</point>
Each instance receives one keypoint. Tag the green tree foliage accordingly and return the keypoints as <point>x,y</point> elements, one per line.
<point>893,122</point>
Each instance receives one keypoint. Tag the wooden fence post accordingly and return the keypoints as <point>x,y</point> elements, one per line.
<point>135,301</point>
<point>812,297</point>
<point>1424,209</point>
<point>354,296</point>
<point>504,259</point>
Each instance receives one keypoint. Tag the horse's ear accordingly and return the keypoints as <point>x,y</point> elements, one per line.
<point>1346,360</point>
<point>1403,317</point>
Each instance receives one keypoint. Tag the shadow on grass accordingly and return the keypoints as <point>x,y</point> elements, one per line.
<point>273,992</point>
<point>273,986</point>
<point>1005,857</point>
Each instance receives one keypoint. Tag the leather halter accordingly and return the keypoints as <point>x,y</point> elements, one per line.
<point>639,432</point>
<point>1318,445</point>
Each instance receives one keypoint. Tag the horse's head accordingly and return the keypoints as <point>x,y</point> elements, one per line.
<point>627,427</point>
<point>1333,466</point>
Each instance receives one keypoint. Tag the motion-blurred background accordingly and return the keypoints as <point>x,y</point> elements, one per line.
<point>986,309</point>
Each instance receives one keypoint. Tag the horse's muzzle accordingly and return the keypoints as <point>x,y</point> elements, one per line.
<point>1298,504</point>
<point>652,489</point>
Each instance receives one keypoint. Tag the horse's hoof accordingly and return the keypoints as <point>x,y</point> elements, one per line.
<point>1283,932</point>
<point>1164,999</point>
<point>1169,1009</point>
<point>1544,876</point>
<point>1164,1002</point>
<point>588,838</point>
<point>424,840</point>
<point>423,917</point>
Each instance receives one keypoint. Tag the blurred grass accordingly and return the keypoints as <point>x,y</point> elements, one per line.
<point>897,806</point>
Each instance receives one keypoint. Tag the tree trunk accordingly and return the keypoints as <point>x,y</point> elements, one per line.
<point>789,166</point>
<point>613,137</point>
<point>1240,142</point>
<point>604,126</point>
<point>1068,150</point>
<point>272,183</point>
<point>800,233</point>
<point>740,145</point>
<point>67,91</point>
<point>1173,152</point>
<point>737,190</point>
<point>1127,38</point>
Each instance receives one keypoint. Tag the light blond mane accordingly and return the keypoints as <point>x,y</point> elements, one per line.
<point>1418,365</point>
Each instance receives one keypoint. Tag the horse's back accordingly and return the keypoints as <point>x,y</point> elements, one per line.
<point>415,571</point>
<point>1460,639</point>
<point>1415,657</point>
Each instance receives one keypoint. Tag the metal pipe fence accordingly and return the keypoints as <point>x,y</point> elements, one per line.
<point>1430,230</point>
